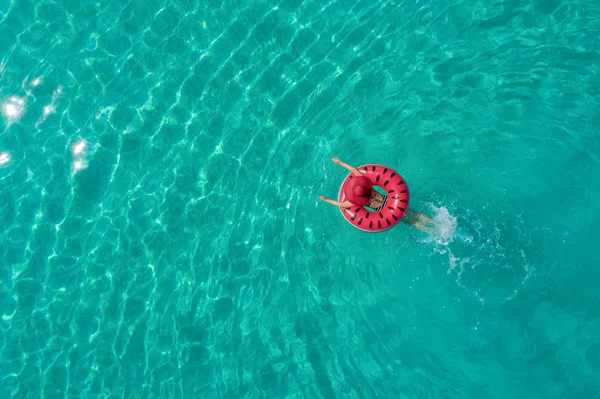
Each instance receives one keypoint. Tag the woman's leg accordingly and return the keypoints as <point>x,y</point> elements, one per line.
<point>419,216</point>
<point>416,223</point>
<point>352,169</point>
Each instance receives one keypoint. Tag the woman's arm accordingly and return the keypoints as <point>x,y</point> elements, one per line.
<point>345,204</point>
<point>352,169</point>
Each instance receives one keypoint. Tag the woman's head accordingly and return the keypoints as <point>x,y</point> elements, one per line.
<point>363,191</point>
<point>358,190</point>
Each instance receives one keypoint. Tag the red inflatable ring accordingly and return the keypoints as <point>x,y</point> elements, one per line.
<point>396,202</point>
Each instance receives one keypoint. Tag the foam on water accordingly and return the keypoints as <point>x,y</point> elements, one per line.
<point>443,233</point>
<point>444,230</point>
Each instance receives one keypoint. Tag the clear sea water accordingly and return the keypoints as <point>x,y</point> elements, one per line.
<point>161,236</point>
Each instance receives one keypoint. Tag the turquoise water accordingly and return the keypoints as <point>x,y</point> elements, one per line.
<point>160,164</point>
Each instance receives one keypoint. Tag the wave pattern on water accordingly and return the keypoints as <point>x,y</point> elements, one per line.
<point>160,164</point>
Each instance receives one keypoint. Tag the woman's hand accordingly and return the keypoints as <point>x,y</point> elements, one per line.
<point>322,198</point>
<point>352,169</point>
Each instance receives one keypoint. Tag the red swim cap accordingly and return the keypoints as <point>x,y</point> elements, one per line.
<point>358,190</point>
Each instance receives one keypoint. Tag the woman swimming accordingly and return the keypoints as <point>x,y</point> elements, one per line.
<point>360,192</point>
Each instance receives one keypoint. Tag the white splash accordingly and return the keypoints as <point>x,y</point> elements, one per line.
<point>4,158</point>
<point>78,152</point>
<point>443,233</point>
<point>78,165</point>
<point>445,226</point>
<point>50,108</point>
<point>35,82</point>
<point>79,147</point>
<point>13,108</point>
<point>10,110</point>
